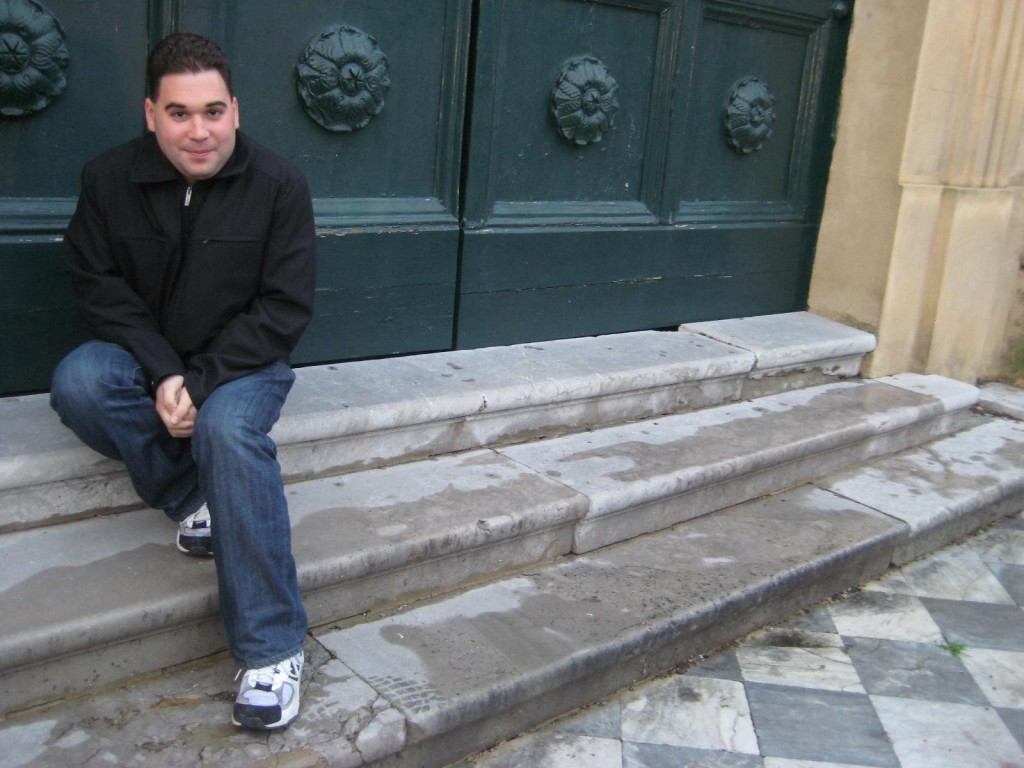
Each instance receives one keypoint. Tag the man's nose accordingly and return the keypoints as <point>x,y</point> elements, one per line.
<point>197,128</point>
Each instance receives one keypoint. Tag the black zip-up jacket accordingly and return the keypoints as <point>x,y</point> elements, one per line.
<point>211,282</point>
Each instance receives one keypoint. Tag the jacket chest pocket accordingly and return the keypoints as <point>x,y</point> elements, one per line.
<point>224,269</point>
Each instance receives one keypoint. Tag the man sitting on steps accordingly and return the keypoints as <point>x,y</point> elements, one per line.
<point>192,252</point>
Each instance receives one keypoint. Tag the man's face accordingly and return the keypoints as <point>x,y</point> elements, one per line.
<point>194,119</point>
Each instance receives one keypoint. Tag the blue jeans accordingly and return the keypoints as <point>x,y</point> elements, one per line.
<point>101,392</point>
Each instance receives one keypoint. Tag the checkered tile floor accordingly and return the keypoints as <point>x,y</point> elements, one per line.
<point>921,669</point>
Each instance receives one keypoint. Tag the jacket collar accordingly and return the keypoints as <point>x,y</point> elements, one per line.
<point>152,166</point>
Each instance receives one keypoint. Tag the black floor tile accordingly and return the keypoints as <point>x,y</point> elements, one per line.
<point>722,666</point>
<point>825,726</point>
<point>979,625</point>
<point>602,721</point>
<point>663,756</point>
<point>1012,579</point>
<point>1014,719</point>
<point>912,670</point>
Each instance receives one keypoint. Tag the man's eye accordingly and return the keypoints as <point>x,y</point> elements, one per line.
<point>215,112</point>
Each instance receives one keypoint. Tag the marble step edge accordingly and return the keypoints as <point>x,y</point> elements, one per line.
<point>371,413</point>
<point>135,623</point>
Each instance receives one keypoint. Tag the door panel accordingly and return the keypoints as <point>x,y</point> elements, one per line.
<point>531,284</point>
<point>685,209</point>
<point>521,171</point>
<point>382,292</point>
<point>747,51</point>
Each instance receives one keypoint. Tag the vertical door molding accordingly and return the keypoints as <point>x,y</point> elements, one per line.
<point>165,17</point>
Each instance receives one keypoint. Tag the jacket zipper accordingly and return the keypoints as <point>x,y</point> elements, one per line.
<point>185,232</point>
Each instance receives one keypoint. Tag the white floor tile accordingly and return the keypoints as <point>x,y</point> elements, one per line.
<point>893,581</point>
<point>888,617</point>
<point>927,734</point>
<point>697,712</point>
<point>829,669</point>
<point>956,574</point>
<point>999,545</point>
<point>785,762</point>
<point>1000,674</point>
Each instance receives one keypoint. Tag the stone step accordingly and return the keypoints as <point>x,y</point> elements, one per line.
<point>425,684</point>
<point>98,599</point>
<point>470,670</point>
<point>341,418</point>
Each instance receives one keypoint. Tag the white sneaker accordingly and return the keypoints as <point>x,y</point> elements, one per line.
<point>194,534</point>
<point>268,698</point>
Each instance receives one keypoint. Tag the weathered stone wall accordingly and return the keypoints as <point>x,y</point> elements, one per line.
<point>923,232</point>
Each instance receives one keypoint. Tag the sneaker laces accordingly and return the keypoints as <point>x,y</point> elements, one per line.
<point>271,677</point>
<point>198,523</point>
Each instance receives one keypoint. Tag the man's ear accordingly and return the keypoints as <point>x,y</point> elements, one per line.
<point>150,114</point>
<point>234,103</point>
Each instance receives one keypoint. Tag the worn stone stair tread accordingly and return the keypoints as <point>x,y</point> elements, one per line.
<point>946,489</point>
<point>649,475</point>
<point>88,601</point>
<point>369,537</point>
<point>367,413</point>
<point>492,661</point>
<point>1002,399</point>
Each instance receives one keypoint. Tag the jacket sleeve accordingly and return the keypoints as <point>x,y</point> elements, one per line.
<point>274,321</point>
<point>110,308</point>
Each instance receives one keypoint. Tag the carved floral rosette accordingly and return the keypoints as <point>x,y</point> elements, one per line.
<point>33,58</point>
<point>749,115</point>
<point>343,78</point>
<point>583,102</point>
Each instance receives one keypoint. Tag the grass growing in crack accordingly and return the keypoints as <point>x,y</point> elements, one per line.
<point>956,648</point>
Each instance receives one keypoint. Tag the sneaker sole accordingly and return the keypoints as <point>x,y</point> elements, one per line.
<point>249,718</point>
<point>195,546</point>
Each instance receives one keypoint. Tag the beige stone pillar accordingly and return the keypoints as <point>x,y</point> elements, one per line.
<point>923,229</point>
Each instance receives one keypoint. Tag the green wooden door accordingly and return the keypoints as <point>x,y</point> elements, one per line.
<point>65,83</point>
<point>367,98</point>
<point>641,163</point>
<point>483,171</point>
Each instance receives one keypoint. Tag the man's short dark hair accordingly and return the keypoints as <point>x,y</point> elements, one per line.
<point>185,52</point>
